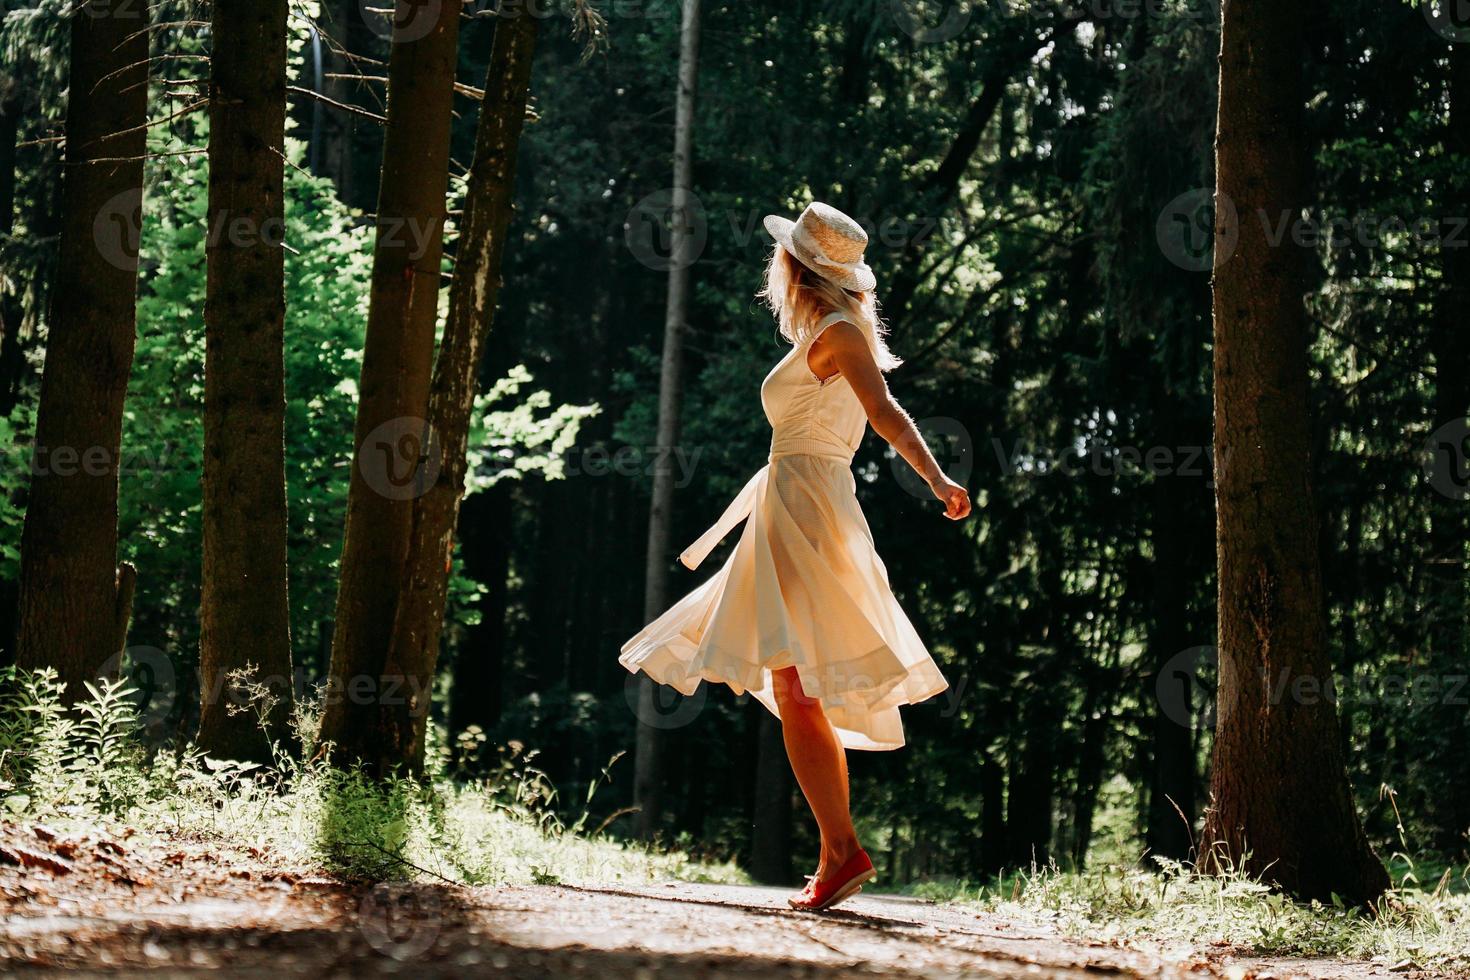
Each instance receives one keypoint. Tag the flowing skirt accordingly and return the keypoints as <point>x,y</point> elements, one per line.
<point>803,588</point>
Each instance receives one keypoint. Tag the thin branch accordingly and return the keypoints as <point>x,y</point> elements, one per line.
<point>460,88</point>
<point>197,104</point>
<point>150,60</point>
<point>339,50</point>
<point>355,110</point>
<point>149,156</point>
<point>402,860</point>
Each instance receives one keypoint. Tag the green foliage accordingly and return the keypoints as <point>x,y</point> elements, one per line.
<point>328,267</point>
<point>35,737</point>
<point>514,432</point>
<point>15,460</point>
<point>87,765</point>
<point>1408,929</point>
<point>52,760</point>
<point>517,431</point>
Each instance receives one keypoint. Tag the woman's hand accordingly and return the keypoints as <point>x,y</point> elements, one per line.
<point>956,499</point>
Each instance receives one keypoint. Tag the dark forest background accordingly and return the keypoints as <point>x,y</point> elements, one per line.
<point>1036,179</point>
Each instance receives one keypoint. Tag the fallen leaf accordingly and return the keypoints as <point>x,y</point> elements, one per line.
<point>27,858</point>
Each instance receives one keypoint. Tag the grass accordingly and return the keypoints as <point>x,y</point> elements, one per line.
<point>1411,927</point>
<point>88,767</point>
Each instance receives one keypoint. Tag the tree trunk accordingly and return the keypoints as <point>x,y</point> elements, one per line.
<point>479,675</point>
<point>69,571</point>
<point>403,703</point>
<point>244,616</point>
<point>993,846</point>
<point>1171,807</point>
<point>770,851</point>
<point>1450,526</point>
<point>1091,766</point>
<point>392,460</point>
<point>12,360</point>
<point>1282,807</point>
<point>647,770</point>
<point>347,35</point>
<point>1029,801</point>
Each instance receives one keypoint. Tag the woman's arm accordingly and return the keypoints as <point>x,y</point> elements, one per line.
<point>842,346</point>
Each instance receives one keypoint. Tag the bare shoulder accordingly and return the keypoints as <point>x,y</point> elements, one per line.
<point>843,336</point>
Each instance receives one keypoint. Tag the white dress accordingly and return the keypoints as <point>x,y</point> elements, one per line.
<point>804,586</point>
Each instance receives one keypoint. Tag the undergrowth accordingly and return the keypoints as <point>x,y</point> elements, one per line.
<point>87,765</point>
<point>1410,928</point>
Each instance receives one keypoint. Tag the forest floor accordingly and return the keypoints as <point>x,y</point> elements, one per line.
<point>98,903</point>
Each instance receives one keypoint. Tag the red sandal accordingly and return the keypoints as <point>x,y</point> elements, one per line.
<point>845,883</point>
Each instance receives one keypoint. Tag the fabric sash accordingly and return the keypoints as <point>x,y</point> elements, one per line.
<point>738,510</point>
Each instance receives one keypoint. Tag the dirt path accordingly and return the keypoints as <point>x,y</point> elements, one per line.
<point>115,905</point>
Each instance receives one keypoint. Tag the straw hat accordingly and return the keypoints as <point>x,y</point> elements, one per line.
<point>827,242</point>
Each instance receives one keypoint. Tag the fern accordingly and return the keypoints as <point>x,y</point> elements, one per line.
<point>105,755</point>
<point>35,740</point>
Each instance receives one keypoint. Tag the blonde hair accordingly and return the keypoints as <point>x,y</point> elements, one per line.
<point>800,299</point>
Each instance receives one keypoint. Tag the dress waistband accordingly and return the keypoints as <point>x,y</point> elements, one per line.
<point>810,447</point>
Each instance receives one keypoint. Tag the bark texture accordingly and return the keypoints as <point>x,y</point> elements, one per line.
<point>69,575</point>
<point>1281,804</point>
<point>647,764</point>
<point>396,742</point>
<point>392,456</point>
<point>244,616</point>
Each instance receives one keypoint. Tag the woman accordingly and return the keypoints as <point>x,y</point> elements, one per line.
<point>801,614</point>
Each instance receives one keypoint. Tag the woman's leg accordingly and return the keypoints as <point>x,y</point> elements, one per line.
<point>820,764</point>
